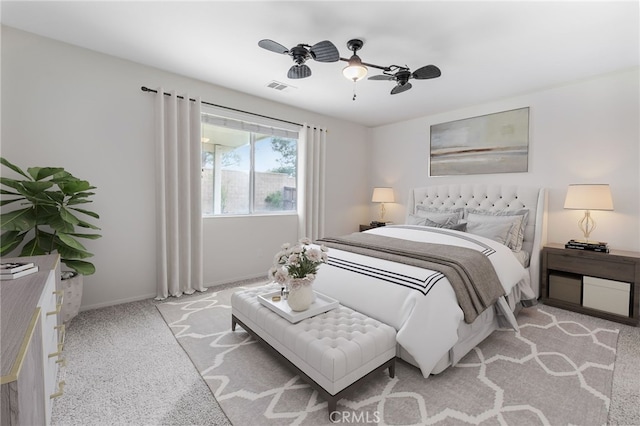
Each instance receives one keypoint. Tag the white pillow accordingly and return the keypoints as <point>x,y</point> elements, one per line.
<point>416,220</point>
<point>447,225</point>
<point>497,231</point>
<point>439,216</point>
<point>517,219</point>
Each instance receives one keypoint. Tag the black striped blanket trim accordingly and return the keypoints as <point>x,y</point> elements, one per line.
<point>487,250</point>
<point>421,284</point>
<point>470,272</point>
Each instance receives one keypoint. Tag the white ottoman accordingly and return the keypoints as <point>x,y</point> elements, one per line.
<point>331,351</point>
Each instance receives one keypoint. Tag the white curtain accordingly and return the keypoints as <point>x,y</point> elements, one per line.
<point>311,173</point>
<point>179,211</point>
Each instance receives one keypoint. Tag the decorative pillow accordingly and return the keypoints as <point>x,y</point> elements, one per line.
<point>523,257</point>
<point>412,219</point>
<point>448,225</point>
<point>517,219</point>
<point>496,231</point>
<point>440,216</point>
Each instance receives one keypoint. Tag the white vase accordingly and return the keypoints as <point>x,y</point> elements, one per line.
<point>300,294</point>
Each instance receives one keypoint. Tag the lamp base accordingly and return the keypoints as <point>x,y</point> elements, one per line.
<point>587,224</point>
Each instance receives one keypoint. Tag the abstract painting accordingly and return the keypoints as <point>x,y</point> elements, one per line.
<point>492,143</point>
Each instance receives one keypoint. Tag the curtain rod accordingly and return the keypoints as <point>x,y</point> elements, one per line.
<point>146,89</point>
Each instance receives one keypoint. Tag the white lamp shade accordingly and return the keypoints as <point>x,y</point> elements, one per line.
<point>589,197</point>
<point>355,70</point>
<point>382,195</point>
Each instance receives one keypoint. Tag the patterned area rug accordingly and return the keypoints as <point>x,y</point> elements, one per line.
<point>557,370</point>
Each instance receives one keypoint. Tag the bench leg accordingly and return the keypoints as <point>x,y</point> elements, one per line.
<point>392,368</point>
<point>332,405</point>
<point>233,323</point>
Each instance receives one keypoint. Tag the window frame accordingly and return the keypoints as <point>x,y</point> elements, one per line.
<point>254,129</point>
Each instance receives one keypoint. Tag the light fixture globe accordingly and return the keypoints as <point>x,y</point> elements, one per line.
<point>355,71</point>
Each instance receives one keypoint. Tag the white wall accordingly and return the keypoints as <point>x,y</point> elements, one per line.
<point>586,132</point>
<point>74,108</point>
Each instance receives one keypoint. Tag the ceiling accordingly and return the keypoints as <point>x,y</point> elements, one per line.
<point>486,50</point>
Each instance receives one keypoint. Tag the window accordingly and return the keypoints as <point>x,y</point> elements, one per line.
<point>247,168</point>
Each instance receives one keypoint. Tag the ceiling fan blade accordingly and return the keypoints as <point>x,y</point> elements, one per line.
<point>401,88</point>
<point>381,77</point>
<point>325,51</point>
<point>428,71</point>
<point>299,71</point>
<point>273,46</point>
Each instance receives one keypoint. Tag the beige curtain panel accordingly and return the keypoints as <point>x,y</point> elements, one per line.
<point>311,173</point>
<point>179,209</point>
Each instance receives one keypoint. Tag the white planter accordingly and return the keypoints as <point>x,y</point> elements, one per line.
<point>72,288</point>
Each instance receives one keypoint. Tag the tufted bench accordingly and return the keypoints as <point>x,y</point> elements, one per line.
<point>330,351</point>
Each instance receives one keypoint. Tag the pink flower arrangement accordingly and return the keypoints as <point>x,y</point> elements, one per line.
<point>298,261</point>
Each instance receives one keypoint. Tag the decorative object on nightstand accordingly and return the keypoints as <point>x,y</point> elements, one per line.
<point>599,246</point>
<point>588,197</point>
<point>382,195</point>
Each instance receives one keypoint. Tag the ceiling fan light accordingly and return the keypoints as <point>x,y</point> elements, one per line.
<point>355,70</point>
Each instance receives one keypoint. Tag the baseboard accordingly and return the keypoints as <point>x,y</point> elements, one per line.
<point>117,302</point>
<point>153,295</point>
<point>238,280</point>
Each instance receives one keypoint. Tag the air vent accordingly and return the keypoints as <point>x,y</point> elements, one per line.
<point>281,87</point>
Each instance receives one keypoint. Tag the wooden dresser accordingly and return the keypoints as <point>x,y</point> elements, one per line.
<point>32,338</point>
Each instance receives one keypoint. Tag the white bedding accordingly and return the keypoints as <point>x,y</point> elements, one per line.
<point>394,293</point>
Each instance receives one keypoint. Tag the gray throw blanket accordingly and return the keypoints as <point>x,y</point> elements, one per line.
<point>471,274</point>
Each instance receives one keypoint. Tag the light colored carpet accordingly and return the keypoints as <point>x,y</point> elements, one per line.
<point>126,368</point>
<point>557,370</point>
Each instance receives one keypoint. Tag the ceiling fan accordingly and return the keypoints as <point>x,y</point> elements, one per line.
<point>324,51</point>
<point>357,70</point>
<point>402,75</point>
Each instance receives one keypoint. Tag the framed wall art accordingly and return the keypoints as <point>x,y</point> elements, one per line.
<point>492,143</point>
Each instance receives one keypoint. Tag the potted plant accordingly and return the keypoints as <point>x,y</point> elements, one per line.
<point>48,204</point>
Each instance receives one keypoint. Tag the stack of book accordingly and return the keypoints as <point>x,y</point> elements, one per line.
<point>588,245</point>
<point>12,270</point>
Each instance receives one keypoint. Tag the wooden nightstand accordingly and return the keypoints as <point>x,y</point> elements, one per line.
<point>605,285</point>
<point>366,227</point>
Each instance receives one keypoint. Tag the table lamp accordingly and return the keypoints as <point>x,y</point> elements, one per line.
<point>588,197</point>
<point>382,195</point>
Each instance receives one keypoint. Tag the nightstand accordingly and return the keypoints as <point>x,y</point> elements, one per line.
<point>366,227</point>
<point>605,285</point>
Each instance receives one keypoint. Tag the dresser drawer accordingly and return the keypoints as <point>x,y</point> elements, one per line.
<point>51,303</point>
<point>609,268</point>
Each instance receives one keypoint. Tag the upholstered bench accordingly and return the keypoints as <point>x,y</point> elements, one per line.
<point>331,351</point>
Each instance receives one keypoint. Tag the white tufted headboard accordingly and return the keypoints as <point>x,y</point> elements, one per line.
<point>493,198</point>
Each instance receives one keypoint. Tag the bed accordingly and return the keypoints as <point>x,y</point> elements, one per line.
<point>422,301</point>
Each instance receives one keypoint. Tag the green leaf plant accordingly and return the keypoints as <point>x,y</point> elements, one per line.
<point>47,214</point>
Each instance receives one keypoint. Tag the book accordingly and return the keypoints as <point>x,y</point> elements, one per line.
<point>599,249</point>
<point>13,267</point>
<point>19,274</point>
<point>588,243</point>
